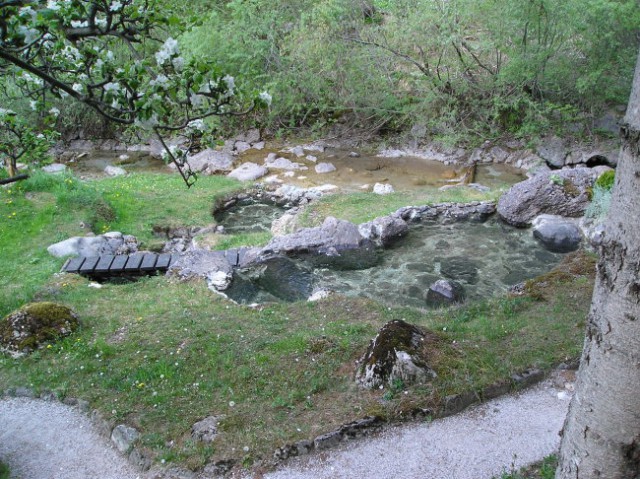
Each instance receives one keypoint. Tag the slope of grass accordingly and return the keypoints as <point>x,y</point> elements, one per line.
<point>161,355</point>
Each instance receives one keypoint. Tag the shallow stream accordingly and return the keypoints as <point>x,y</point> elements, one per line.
<point>484,258</point>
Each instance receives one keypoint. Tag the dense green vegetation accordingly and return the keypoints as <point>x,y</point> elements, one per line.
<point>461,71</point>
<point>160,354</point>
<point>4,471</point>
<point>453,68</point>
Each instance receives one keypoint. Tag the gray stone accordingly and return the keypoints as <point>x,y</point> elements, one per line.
<point>199,263</point>
<point>205,430</point>
<point>250,136</point>
<point>248,172</point>
<point>322,168</point>
<point>397,353</point>
<point>554,151</point>
<point>298,151</point>
<point>124,437</point>
<point>283,164</point>
<point>444,292</point>
<point>115,171</point>
<point>311,158</point>
<point>382,189</point>
<point>54,168</point>
<point>284,225</point>
<point>296,195</point>
<point>333,236</point>
<point>384,230</point>
<point>241,146</point>
<point>556,233</point>
<point>108,243</point>
<point>562,192</point>
<point>210,161</point>
<point>258,146</point>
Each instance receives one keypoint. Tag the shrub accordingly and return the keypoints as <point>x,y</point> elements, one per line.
<point>605,180</point>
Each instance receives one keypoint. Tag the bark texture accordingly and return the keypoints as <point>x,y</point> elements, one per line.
<point>601,435</point>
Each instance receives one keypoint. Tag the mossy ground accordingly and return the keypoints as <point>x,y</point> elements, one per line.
<point>161,355</point>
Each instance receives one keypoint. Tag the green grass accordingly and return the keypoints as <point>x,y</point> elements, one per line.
<point>4,471</point>
<point>161,355</point>
<point>545,469</point>
<point>362,207</point>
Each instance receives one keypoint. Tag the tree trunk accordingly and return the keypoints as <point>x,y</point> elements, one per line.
<point>601,435</point>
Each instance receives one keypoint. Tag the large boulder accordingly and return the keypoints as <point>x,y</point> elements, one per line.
<point>209,162</point>
<point>398,354</point>
<point>199,263</point>
<point>556,233</point>
<point>384,230</point>
<point>563,192</point>
<point>112,242</point>
<point>332,237</point>
<point>283,164</point>
<point>35,324</point>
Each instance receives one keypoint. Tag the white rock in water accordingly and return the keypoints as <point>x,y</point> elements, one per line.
<point>54,168</point>
<point>382,189</point>
<point>325,168</point>
<point>115,171</point>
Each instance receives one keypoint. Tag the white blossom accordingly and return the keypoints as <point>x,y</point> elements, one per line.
<point>147,124</point>
<point>28,11</point>
<point>53,5</point>
<point>265,97</point>
<point>112,87</point>
<point>101,22</point>
<point>6,112</point>
<point>178,63</point>
<point>54,111</point>
<point>115,6</point>
<point>78,87</point>
<point>231,83</point>
<point>79,24</point>
<point>30,34</point>
<point>161,80</point>
<point>168,50</point>
<point>197,125</point>
<point>33,104</point>
<point>196,100</point>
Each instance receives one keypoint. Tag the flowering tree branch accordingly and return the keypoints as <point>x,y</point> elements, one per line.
<point>102,53</point>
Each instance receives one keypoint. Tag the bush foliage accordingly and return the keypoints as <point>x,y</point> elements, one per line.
<point>479,66</point>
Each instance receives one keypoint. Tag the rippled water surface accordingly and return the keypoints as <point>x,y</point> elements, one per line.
<point>484,258</point>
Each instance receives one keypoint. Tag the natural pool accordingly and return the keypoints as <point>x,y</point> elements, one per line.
<point>484,258</point>
<point>249,216</point>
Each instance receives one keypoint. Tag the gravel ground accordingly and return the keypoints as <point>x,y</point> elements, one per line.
<point>480,443</point>
<point>48,440</point>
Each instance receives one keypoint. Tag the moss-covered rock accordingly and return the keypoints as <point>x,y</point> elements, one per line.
<point>398,354</point>
<point>35,324</point>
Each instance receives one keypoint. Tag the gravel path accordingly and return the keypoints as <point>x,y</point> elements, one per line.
<point>48,440</point>
<point>479,443</point>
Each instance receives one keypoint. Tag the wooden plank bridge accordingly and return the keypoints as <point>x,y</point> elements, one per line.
<point>122,265</point>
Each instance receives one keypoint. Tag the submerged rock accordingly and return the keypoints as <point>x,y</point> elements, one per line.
<point>35,324</point>
<point>398,353</point>
<point>277,275</point>
<point>322,168</point>
<point>556,233</point>
<point>114,171</point>
<point>562,192</point>
<point>444,293</point>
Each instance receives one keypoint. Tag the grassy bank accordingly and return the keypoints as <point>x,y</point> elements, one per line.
<point>161,355</point>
